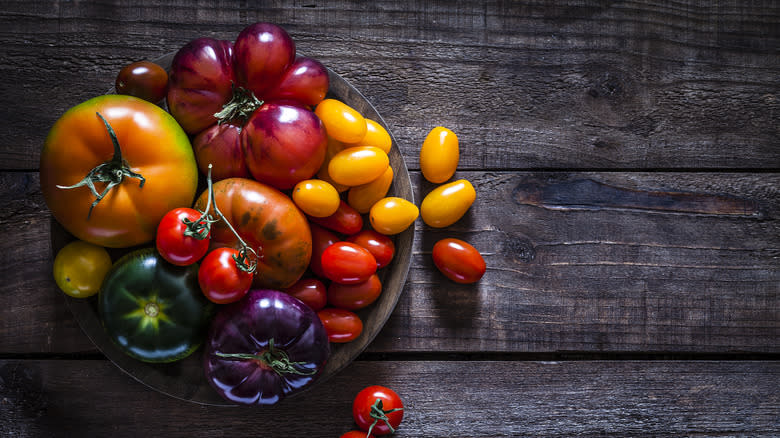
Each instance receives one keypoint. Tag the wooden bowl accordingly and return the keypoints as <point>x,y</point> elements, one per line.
<point>185,379</point>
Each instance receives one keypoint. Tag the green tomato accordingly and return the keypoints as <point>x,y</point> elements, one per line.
<point>79,268</point>
<point>153,310</point>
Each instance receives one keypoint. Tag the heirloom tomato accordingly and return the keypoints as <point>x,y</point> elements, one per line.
<point>347,263</point>
<point>269,222</point>
<point>113,166</point>
<point>439,155</point>
<point>341,325</point>
<point>378,410</point>
<point>153,310</point>
<point>259,85</point>
<point>458,261</point>
<point>79,268</point>
<point>446,204</point>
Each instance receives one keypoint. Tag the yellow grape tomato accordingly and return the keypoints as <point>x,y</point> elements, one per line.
<point>446,204</point>
<point>341,121</point>
<point>334,147</point>
<point>364,196</point>
<point>358,165</point>
<point>80,267</point>
<point>439,155</point>
<point>316,197</point>
<point>392,215</point>
<point>376,135</point>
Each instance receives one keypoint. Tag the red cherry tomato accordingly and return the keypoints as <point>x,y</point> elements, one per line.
<point>180,239</point>
<point>311,291</point>
<point>346,220</point>
<point>458,261</point>
<point>355,296</point>
<point>356,434</point>
<point>378,410</point>
<point>220,278</point>
<point>379,245</point>
<point>347,263</point>
<point>143,79</point>
<point>321,238</point>
<point>341,325</point>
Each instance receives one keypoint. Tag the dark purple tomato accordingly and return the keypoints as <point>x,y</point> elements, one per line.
<point>458,261</point>
<point>220,146</point>
<point>143,79</point>
<point>347,263</point>
<point>284,145</point>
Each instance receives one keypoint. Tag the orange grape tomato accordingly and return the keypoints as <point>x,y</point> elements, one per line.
<point>358,165</point>
<point>447,203</point>
<point>392,215</point>
<point>376,135</point>
<point>316,197</point>
<point>364,196</point>
<point>439,155</point>
<point>342,122</point>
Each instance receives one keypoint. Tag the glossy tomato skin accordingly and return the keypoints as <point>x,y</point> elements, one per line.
<point>305,81</point>
<point>355,296</point>
<point>269,222</point>
<point>80,267</point>
<point>346,220</point>
<point>263,52</point>
<point>391,401</point>
<point>283,144</point>
<point>446,204</point>
<point>347,263</point>
<point>343,122</point>
<point>439,155</point>
<point>379,245</point>
<point>143,79</point>
<point>321,238</point>
<point>341,325</point>
<point>153,310</point>
<point>152,144</point>
<point>172,242</point>
<point>458,260</point>
<point>358,165</point>
<point>220,278</point>
<point>201,82</point>
<point>220,145</point>
<point>392,215</point>
<point>311,291</point>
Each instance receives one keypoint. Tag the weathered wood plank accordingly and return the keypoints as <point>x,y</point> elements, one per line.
<point>552,399</point>
<point>593,262</point>
<point>525,86</point>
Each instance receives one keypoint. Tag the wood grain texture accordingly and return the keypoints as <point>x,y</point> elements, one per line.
<point>577,262</point>
<point>550,399</point>
<point>605,85</point>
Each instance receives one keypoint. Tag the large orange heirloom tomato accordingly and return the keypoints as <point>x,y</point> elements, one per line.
<point>269,222</point>
<point>111,167</point>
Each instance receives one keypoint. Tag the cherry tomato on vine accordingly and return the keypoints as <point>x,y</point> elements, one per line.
<point>347,263</point>
<point>342,325</point>
<point>143,79</point>
<point>80,267</point>
<point>379,245</point>
<point>311,291</point>
<point>354,296</point>
<point>378,410</point>
<point>182,239</point>
<point>458,261</point>
<point>221,279</point>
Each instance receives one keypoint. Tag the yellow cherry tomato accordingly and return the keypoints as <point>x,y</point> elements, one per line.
<point>445,204</point>
<point>362,197</point>
<point>376,135</point>
<point>439,155</point>
<point>358,165</point>
<point>80,267</point>
<point>392,215</point>
<point>334,147</point>
<point>316,197</point>
<point>341,121</point>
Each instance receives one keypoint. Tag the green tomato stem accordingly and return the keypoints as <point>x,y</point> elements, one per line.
<point>378,413</point>
<point>277,360</point>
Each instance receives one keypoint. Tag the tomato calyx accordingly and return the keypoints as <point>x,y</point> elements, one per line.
<point>273,358</point>
<point>241,105</point>
<point>378,413</point>
<point>201,227</point>
<point>112,172</point>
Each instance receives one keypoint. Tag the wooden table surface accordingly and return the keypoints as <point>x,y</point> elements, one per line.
<point>626,157</point>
